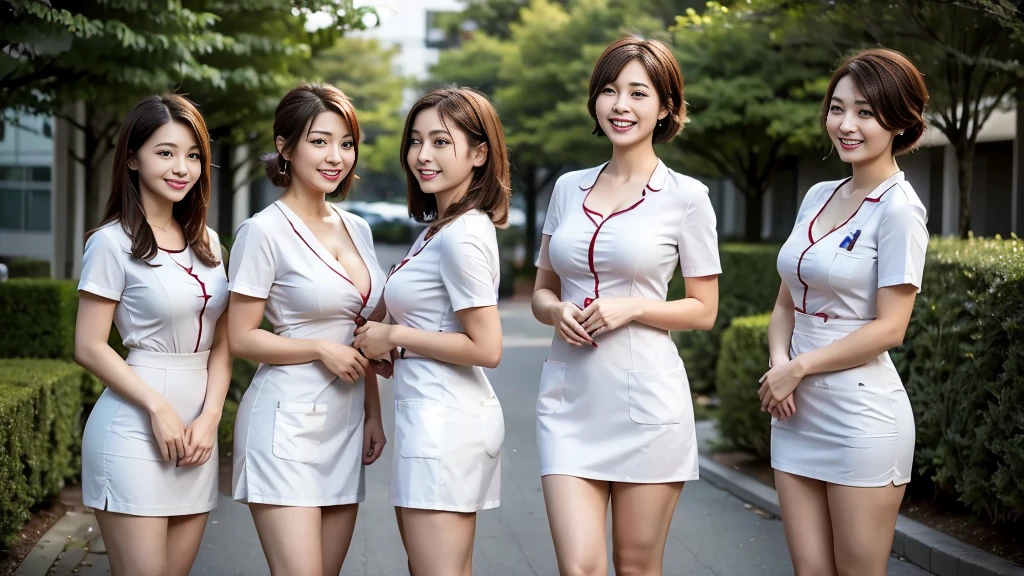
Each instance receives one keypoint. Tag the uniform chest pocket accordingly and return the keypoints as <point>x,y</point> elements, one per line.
<point>843,266</point>
<point>658,397</point>
<point>420,429</point>
<point>297,430</point>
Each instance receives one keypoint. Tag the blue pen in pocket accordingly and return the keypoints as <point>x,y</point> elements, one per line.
<point>850,240</point>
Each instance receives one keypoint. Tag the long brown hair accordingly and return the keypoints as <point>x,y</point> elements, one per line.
<point>895,89</point>
<point>294,118</point>
<point>125,203</point>
<point>490,190</point>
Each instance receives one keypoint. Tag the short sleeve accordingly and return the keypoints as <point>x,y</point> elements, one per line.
<point>554,214</point>
<point>103,271</point>
<point>251,265</point>
<point>902,243</point>
<point>698,238</point>
<point>215,246</point>
<point>469,267</point>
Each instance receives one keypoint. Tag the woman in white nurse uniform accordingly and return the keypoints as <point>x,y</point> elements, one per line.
<point>843,432</point>
<point>614,416</point>
<point>306,426</point>
<point>442,299</point>
<point>149,464</point>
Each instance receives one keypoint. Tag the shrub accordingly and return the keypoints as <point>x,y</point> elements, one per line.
<point>40,435</point>
<point>26,267</point>
<point>749,285</point>
<point>226,428</point>
<point>742,361</point>
<point>38,318</point>
<point>963,367</point>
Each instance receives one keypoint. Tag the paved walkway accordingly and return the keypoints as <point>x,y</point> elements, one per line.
<point>713,533</point>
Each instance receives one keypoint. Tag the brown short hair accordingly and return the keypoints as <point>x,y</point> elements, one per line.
<point>491,188</point>
<point>125,204</point>
<point>895,89</point>
<point>295,114</point>
<point>664,71</point>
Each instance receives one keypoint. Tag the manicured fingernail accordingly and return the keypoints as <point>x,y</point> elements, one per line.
<point>594,344</point>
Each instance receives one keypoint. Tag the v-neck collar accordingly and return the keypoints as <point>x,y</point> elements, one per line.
<point>321,252</point>
<point>874,197</point>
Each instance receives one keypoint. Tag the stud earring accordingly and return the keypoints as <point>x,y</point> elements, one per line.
<point>901,133</point>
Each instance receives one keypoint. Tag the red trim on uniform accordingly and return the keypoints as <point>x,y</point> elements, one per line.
<point>810,238</point>
<point>590,251</point>
<point>206,299</point>
<point>364,297</point>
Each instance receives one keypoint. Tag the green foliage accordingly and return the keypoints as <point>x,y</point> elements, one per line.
<point>749,285</point>
<point>742,362</point>
<point>963,367</point>
<point>226,427</point>
<point>40,435</point>
<point>754,96</point>
<point>38,318</point>
<point>26,267</point>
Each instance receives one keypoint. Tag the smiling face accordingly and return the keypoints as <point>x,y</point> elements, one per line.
<point>853,127</point>
<point>628,108</point>
<point>440,155</point>
<point>324,156</point>
<point>168,162</point>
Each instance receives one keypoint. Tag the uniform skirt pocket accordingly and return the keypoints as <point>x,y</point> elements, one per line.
<point>552,386</point>
<point>492,422</point>
<point>657,397</point>
<point>297,430</point>
<point>419,429</point>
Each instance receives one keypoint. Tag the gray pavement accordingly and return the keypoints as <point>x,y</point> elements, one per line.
<point>713,533</point>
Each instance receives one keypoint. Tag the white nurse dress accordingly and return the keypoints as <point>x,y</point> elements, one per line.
<point>622,412</point>
<point>449,427</point>
<point>167,309</point>
<point>853,427</point>
<point>299,430</point>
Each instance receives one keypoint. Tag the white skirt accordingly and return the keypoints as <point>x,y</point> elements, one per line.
<point>122,468</point>
<point>854,427</point>
<point>447,456</point>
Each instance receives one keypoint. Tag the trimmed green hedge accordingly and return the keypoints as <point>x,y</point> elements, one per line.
<point>749,285</point>
<point>742,361</point>
<point>40,435</point>
<point>39,318</point>
<point>26,267</point>
<point>962,363</point>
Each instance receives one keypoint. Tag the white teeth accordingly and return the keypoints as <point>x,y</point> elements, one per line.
<point>331,172</point>
<point>849,142</point>
<point>622,123</point>
<point>428,172</point>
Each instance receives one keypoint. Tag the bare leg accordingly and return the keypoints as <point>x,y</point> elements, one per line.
<point>577,509</point>
<point>337,523</point>
<point>641,517</point>
<point>136,545</point>
<point>290,536</point>
<point>863,523</point>
<point>184,535</point>
<point>439,543</point>
<point>808,525</point>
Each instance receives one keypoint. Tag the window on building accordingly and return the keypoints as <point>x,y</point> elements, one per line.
<point>26,172</point>
<point>441,33</point>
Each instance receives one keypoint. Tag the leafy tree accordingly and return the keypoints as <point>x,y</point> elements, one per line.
<point>754,97</point>
<point>233,57</point>
<point>364,70</point>
<point>968,50</point>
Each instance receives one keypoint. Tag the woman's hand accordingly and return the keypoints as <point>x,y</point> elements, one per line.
<point>607,314</point>
<point>779,383</point>
<point>373,339</point>
<point>784,409</point>
<point>200,438</point>
<point>345,361</point>
<point>373,439</point>
<point>565,317</point>
<point>169,432</point>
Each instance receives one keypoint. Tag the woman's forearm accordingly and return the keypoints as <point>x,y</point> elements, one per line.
<point>371,401</point>
<point>780,334</point>
<point>218,371</point>
<point>107,365</point>
<point>262,346</point>
<point>543,304</point>
<point>450,347</point>
<point>684,314</point>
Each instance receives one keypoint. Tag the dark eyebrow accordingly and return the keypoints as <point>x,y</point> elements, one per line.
<point>169,145</point>
<point>859,102</point>
<point>324,132</point>
<point>639,84</point>
<point>436,132</point>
